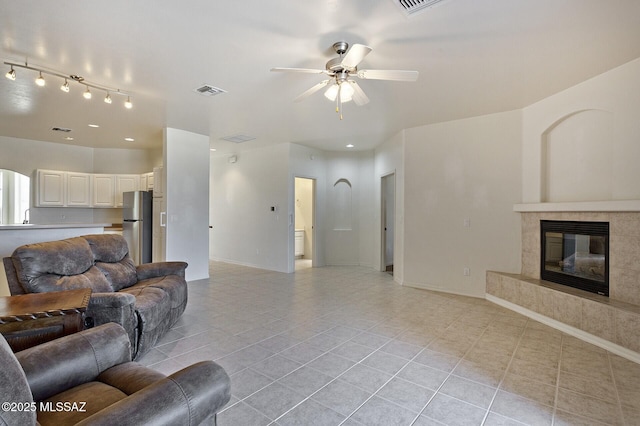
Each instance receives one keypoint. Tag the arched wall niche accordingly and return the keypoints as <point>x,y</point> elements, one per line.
<point>576,157</point>
<point>342,205</point>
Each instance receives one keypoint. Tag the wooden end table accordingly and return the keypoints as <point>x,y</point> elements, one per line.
<point>27,320</point>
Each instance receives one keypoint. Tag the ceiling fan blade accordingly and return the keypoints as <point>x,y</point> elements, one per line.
<point>311,91</point>
<point>355,55</point>
<point>359,97</point>
<point>300,70</point>
<point>397,75</point>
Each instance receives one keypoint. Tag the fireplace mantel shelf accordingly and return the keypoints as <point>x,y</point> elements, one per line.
<point>581,206</point>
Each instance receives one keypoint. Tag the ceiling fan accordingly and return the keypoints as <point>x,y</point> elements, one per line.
<point>341,87</point>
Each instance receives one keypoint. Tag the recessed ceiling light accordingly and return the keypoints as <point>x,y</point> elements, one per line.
<point>94,125</point>
<point>213,149</point>
<point>350,145</point>
<point>129,139</point>
<point>68,138</point>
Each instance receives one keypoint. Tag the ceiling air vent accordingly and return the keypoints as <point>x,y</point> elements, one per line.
<point>411,7</point>
<point>239,138</point>
<point>209,90</point>
<point>61,129</point>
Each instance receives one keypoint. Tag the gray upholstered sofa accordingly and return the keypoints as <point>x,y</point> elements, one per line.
<point>87,378</point>
<point>146,299</point>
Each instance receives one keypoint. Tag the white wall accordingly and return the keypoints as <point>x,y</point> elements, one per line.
<point>135,161</point>
<point>186,168</point>
<point>352,244</point>
<point>389,158</point>
<point>616,92</point>
<point>464,169</point>
<point>245,230</point>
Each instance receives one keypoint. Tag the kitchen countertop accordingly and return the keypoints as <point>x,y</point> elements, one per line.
<point>27,226</point>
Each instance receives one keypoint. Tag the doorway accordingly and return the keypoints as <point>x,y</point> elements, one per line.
<point>304,205</point>
<point>388,197</point>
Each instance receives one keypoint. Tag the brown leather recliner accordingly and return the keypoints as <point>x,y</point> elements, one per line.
<point>88,378</point>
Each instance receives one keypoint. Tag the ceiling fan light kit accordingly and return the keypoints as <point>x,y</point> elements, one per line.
<point>341,88</point>
<point>40,81</point>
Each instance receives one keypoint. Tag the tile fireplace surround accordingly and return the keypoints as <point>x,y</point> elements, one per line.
<point>610,322</point>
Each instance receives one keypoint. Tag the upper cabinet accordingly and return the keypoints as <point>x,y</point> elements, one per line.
<point>104,190</point>
<point>158,182</point>
<point>90,190</point>
<point>126,183</point>
<point>50,188</point>
<point>78,189</point>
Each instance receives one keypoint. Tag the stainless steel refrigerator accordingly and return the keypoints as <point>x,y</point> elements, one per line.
<point>136,224</point>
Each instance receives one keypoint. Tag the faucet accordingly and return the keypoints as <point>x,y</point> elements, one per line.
<point>25,221</point>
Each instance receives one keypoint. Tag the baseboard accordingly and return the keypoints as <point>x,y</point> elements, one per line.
<point>572,331</point>
<point>440,290</point>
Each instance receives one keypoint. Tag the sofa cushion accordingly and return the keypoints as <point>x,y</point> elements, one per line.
<point>119,274</point>
<point>58,265</point>
<point>93,278</point>
<point>99,395</point>
<point>172,284</point>
<point>111,255</point>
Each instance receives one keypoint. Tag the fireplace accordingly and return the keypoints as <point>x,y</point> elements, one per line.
<point>575,254</point>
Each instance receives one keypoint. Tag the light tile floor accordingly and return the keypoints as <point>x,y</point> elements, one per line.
<point>348,346</point>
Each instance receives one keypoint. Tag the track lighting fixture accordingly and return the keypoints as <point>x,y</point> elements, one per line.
<point>40,81</point>
<point>11,74</point>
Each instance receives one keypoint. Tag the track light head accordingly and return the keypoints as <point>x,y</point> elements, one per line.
<point>11,74</point>
<point>127,103</point>
<point>87,93</point>
<point>40,80</point>
<point>107,99</point>
<point>65,86</point>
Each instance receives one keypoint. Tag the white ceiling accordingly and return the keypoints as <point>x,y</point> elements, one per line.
<point>474,57</point>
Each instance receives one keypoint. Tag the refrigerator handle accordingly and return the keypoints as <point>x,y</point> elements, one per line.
<point>163,219</point>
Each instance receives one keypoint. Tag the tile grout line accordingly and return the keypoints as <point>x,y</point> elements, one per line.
<point>555,398</point>
<point>504,375</point>
<point>615,386</point>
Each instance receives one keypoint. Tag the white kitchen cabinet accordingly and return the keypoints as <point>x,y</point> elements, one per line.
<point>78,189</point>
<point>51,188</point>
<point>126,183</point>
<point>150,181</point>
<point>299,242</point>
<point>104,188</point>
<point>143,182</point>
<point>158,182</point>
<point>146,181</point>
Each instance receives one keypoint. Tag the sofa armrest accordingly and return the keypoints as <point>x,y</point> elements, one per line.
<point>187,397</point>
<point>71,360</point>
<point>160,269</point>
<point>115,307</point>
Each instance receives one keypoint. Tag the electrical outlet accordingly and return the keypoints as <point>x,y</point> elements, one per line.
<point>466,272</point>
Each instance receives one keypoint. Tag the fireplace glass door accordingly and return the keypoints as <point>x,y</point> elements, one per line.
<point>576,254</point>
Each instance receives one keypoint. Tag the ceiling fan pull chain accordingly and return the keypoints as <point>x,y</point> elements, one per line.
<point>339,98</point>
